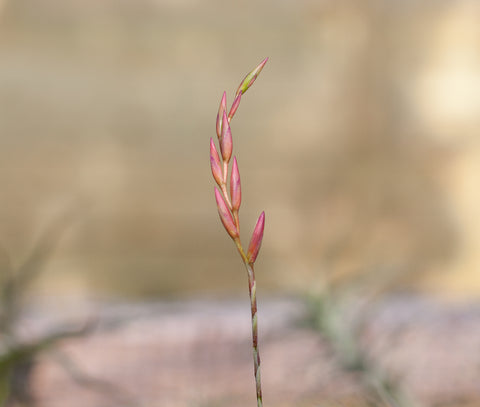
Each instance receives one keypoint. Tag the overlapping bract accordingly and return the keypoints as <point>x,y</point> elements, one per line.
<point>235,188</point>
<point>228,206</point>
<point>215,164</point>
<point>256,241</point>
<point>225,215</point>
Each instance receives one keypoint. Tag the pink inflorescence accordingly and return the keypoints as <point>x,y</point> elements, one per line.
<point>229,204</point>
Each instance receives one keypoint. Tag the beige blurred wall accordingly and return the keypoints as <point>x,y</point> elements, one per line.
<point>359,140</point>
<point>448,98</point>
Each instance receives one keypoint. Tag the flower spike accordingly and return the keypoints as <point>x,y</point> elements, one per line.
<point>228,205</point>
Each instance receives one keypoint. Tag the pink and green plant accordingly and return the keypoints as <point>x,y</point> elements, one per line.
<point>229,204</point>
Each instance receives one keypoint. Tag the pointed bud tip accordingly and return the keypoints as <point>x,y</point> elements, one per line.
<point>262,64</point>
<point>259,67</point>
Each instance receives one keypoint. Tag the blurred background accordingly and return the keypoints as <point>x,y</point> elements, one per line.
<point>359,140</point>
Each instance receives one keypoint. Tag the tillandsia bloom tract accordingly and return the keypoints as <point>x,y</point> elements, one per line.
<point>228,204</point>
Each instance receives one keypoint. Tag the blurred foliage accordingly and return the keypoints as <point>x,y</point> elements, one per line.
<point>328,315</point>
<point>18,354</point>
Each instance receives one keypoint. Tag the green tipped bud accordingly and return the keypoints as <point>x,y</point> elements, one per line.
<point>235,189</point>
<point>225,215</point>
<point>256,241</point>
<point>250,78</point>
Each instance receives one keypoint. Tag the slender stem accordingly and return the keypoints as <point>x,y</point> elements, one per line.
<point>252,288</point>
